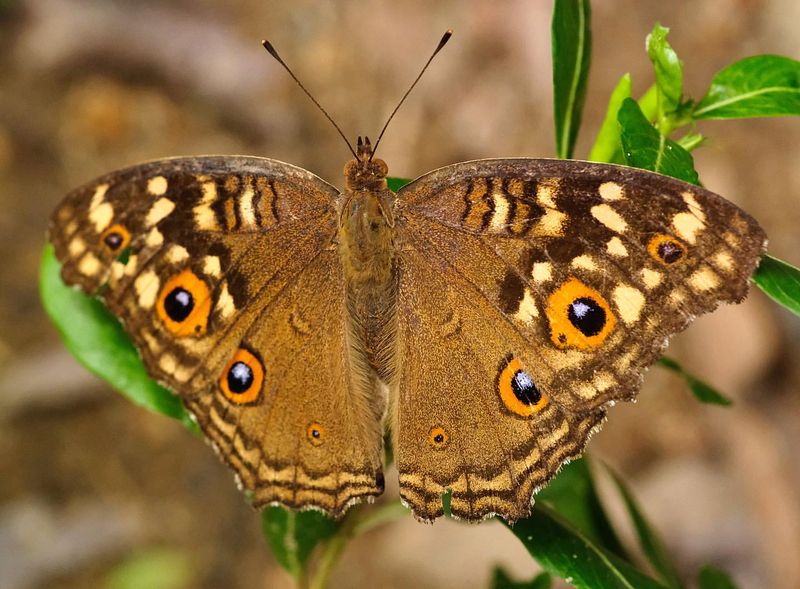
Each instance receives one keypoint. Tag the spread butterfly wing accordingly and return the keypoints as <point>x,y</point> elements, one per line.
<point>532,294</point>
<point>225,274</point>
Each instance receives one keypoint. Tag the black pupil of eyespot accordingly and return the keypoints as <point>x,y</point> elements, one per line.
<point>240,378</point>
<point>669,252</point>
<point>524,388</point>
<point>438,438</point>
<point>113,240</point>
<point>178,304</point>
<point>587,316</point>
<point>315,433</point>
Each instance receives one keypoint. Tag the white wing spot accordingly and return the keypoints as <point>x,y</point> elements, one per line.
<point>651,278</point>
<point>146,286</point>
<point>177,254</point>
<point>211,266</point>
<point>687,226</point>
<point>101,216</point>
<point>551,223</point>
<point>615,247</point>
<point>154,238</point>
<point>160,209</point>
<point>157,186</point>
<point>500,214</point>
<point>609,217</point>
<point>89,265</point>
<point>76,247</point>
<point>703,279</point>
<point>225,304</point>
<point>630,302</point>
<point>542,271</point>
<point>611,191</point>
<point>527,309</point>
<point>585,262</point>
<point>246,211</point>
<point>546,191</point>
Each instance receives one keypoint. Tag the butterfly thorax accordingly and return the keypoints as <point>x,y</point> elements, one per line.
<point>366,246</point>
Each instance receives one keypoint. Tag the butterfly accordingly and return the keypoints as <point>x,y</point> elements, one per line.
<point>487,314</point>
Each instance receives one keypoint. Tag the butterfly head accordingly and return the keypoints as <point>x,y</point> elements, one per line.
<point>365,172</point>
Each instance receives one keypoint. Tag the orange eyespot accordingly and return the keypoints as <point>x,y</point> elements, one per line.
<point>579,316</point>
<point>116,238</point>
<point>242,377</point>
<point>438,438</point>
<point>315,434</point>
<point>517,390</point>
<point>184,304</point>
<point>666,249</point>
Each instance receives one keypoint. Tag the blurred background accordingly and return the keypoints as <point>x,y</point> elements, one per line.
<point>92,487</point>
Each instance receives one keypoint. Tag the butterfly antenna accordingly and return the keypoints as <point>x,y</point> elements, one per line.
<point>271,50</point>
<point>445,38</point>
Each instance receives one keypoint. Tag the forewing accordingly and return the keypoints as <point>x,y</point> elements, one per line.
<point>550,285</point>
<point>217,266</point>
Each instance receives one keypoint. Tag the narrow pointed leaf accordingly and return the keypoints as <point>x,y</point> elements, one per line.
<point>607,147</point>
<point>571,47</point>
<point>704,392</point>
<point>713,578</point>
<point>574,495</point>
<point>758,86</point>
<point>501,580</point>
<point>293,535</point>
<point>644,147</point>
<point>669,69</point>
<point>648,539</point>
<point>96,339</point>
<point>562,550</point>
<point>781,282</point>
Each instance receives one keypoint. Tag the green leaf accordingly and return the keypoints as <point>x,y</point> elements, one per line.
<point>648,539</point>
<point>704,393</point>
<point>154,568</point>
<point>781,282</point>
<point>669,69</point>
<point>644,147</point>
<point>501,580</point>
<point>571,46</point>
<point>563,550</point>
<point>758,86</point>
<point>574,495</point>
<point>293,535</point>
<point>713,578</point>
<point>607,148</point>
<point>96,339</point>
<point>396,184</point>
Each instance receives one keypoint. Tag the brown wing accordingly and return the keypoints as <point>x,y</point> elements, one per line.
<point>534,293</point>
<point>225,274</point>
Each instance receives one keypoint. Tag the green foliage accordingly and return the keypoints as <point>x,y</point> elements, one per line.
<point>569,532</point>
<point>780,281</point>
<point>154,568</point>
<point>668,68</point>
<point>571,44</point>
<point>644,147</point>
<point>759,86</point>
<point>500,580</point>
<point>702,391</point>
<point>97,340</point>
<point>292,536</point>
<point>713,578</point>
<point>648,538</point>
<point>607,146</point>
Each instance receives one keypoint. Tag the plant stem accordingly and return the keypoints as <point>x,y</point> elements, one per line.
<point>352,526</point>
